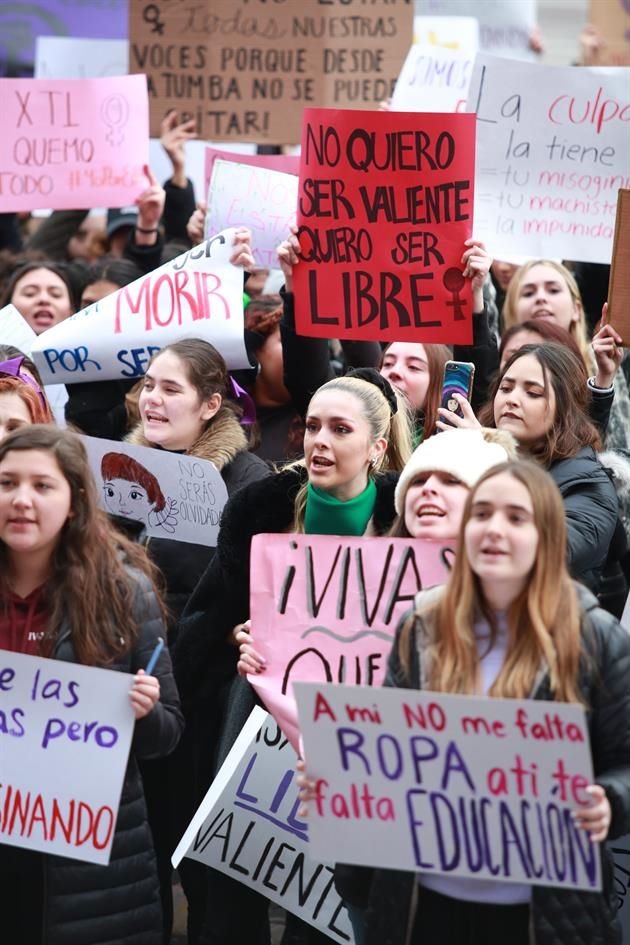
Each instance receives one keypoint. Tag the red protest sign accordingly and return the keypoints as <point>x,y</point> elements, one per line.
<point>385,204</point>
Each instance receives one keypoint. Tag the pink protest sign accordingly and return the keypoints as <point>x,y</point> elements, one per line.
<point>325,609</point>
<point>73,143</point>
<point>287,163</point>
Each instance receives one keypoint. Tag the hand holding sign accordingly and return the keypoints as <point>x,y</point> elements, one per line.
<point>144,695</point>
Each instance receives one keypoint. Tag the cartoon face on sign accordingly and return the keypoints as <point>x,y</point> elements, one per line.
<point>133,492</point>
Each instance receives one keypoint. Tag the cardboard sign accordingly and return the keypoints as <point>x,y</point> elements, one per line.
<point>619,286</point>
<point>611,19</point>
<point>174,496</point>
<point>73,143</point>
<point>65,57</point>
<point>385,205</point>
<point>245,71</point>
<point>287,163</point>
<point>433,79</point>
<point>504,25</point>
<point>197,295</point>
<point>247,827</point>
<point>552,151</point>
<point>455,785</point>
<point>260,199</point>
<point>66,731</point>
<point>326,608</point>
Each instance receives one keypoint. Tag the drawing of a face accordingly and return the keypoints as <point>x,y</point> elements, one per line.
<point>452,405</point>
<point>128,499</point>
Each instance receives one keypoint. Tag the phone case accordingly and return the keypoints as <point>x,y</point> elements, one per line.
<point>458,379</point>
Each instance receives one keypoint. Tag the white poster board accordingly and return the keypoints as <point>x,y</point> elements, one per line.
<point>247,827</point>
<point>453,32</point>
<point>173,496</point>
<point>66,732</point>
<point>552,151</point>
<point>401,775</point>
<point>197,295</point>
<point>64,57</point>
<point>504,25</point>
<point>433,79</point>
<point>263,200</point>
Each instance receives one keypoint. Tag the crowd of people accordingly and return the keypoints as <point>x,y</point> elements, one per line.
<point>529,478</point>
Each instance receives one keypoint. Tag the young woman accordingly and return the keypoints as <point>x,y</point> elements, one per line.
<point>73,589</point>
<point>44,294</point>
<point>21,404</point>
<point>509,609</point>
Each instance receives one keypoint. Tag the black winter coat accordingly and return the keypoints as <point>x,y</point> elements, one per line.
<point>559,916</point>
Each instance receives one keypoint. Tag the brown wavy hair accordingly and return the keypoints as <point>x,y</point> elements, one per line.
<point>90,586</point>
<point>437,356</point>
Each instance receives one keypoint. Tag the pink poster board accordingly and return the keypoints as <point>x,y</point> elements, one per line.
<point>73,143</point>
<point>325,609</point>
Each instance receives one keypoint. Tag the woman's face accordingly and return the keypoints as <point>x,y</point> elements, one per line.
<point>337,444</point>
<point>434,505</point>
<point>172,412</point>
<point>543,293</point>
<point>405,365</point>
<point>35,502</point>
<point>500,537</point>
<point>97,291</point>
<point>518,339</point>
<point>522,406</point>
<point>14,413</point>
<point>42,299</point>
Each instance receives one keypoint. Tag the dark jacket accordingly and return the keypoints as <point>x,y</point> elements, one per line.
<point>559,916</point>
<point>592,508</point>
<point>118,904</point>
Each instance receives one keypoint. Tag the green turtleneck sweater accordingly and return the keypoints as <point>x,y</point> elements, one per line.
<point>326,515</point>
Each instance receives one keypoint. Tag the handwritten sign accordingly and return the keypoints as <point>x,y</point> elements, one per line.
<point>385,204</point>
<point>245,70</point>
<point>620,850</point>
<point>326,608</point>
<point>287,163</point>
<point>457,785</point>
<point>552,146</point>
<point>65,732</point>
<point>433,79</point>
<point>65,57</point>
<point>504,25</point>
<point>260,199</point>
<point>452,32</point>
<point>619,287</point>
<point>174,496</point>
<point>611,19</point>
<point>248,828</point>
<point>73,143</point>
<point>197,295</point>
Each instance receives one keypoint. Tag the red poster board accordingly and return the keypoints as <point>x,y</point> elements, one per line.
<point>385,204</point>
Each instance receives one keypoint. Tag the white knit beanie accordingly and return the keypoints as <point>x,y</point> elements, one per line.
<point>464,454</point>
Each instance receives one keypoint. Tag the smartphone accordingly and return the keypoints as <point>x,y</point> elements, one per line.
<point>458,379</point>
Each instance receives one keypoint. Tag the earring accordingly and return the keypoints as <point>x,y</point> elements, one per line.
<point>374,461</point>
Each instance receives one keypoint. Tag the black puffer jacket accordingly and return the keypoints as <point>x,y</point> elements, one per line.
<point>559,916</point>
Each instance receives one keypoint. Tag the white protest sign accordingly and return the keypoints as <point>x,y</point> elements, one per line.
<point>552,151</point>
<point>248,828</point>
<point>197,295</point>
<point>65,731</point>
<point>64,57</point>
<point>454,32</point>
<point>504,25</point>
<point>174,496</point>
<point>263,200</point>
<point>433,79</point>
<point>456,785</point>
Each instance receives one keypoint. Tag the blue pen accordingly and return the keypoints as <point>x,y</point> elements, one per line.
<point>159,646</point>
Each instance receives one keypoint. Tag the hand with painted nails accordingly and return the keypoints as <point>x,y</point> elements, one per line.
<point>448,419</point>
<point>595,819</point>
<point>249,660</point>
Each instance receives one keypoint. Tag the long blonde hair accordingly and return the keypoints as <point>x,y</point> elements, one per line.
<point>577,328</point>
<point>543,620</point>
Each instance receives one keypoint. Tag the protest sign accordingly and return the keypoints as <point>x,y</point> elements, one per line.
<point>247,827</point>
<point>65,57</point>
<point>620,850</point>
<point>384,207</point>
<point>452,32</point>
<point>195,161</point>
<point>287,163</point>
<point>65,731</point>
<point>625,617</point>
<point>262,200</point>
<point>619,286</point>
<point>245,74</point>
<point>197,295</point>
<point>73,143</point>
<point>173,496</point>
<point>449,784</point>
<point>326,608</point>
<point>551,154</point>
<point>504,25</point>
<point>433,79</point>
<point>611,20</point>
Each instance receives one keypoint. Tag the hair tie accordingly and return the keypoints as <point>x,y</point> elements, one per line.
<point>372,376</point>
<point>245,401</point>
<point>12,367</point>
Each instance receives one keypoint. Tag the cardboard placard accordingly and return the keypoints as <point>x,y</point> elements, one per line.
<point>552,151</point>
<point>73,143</point>
<point>453,785</point>
<point>245,71</point>
<point>619,285</point>
<point>385,205</point>
<point>247,827</point>
<point>611,19</point>
<point>66,732</point>
<point>326,608</point>
<point>197,295</point>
